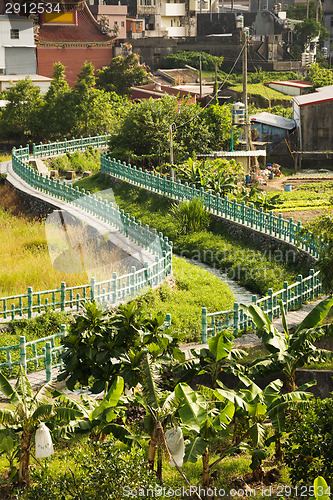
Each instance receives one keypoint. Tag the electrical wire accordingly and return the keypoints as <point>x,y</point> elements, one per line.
<point>211,98</point>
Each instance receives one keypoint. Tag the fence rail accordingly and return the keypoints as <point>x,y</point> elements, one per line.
<point>259,220</point>
<point>69,146</point>
<point>114,290</point>
<point>238,320</point>
<point>119,287</point>
<point>37,354</point>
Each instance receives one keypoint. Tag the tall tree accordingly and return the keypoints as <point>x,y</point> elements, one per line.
<point>57,113</point>
<point>121,74</point>
<point>17,118</point>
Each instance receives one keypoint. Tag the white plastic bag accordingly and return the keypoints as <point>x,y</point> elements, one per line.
<point>175,442</point>
<point>43,442</point>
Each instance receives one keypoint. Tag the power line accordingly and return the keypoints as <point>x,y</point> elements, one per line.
<point>212,98</point>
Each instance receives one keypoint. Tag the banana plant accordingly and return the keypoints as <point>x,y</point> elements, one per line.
<point>218,357</point>
<point>205,419</point>
<point>193,174</point>
<point>253,406</point>
<point>221,184</point>
<point>160,409</point>
<point>30,409</point>
<point>266,202</point>
<point>291,349</point>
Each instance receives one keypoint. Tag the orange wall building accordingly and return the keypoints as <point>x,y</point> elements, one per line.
<point>72,37</point>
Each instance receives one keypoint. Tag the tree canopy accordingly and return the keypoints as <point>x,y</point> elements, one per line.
<point>122,74</point>
<point>182,58</point>
<point>319,77</point>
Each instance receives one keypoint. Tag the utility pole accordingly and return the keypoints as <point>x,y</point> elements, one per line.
<point>172,172</point>
<point>200,74</point>
<point>246,129</point>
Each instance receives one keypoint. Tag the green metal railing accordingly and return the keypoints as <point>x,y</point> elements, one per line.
<point>238,320</point>
<point>119,287</point>
<point>36,354</point>
<point>69,146</point>
<point>40,353</point>
<point>114,290</point>
<point>258,220</point>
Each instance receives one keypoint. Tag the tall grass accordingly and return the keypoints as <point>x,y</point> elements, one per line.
<point>25,259</point>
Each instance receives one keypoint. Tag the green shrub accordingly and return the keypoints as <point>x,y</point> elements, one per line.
<point>190,216</point>
<point>3,178</point>
<point>309,447</point>
<point>100,471</point>
<point>80,161</point>
<point>182,58</point>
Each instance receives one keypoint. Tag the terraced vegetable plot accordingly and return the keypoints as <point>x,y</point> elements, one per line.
<point>311,196</point>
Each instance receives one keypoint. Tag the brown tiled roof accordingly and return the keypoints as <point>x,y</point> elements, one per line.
<point>86,30</point>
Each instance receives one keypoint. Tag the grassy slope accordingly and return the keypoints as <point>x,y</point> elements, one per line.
<point>262,90</point>
<point>25,259</point>
<point>193,288</point>
<point>248,265</point>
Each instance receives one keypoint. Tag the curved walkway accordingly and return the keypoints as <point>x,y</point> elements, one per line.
<point>101,227</point>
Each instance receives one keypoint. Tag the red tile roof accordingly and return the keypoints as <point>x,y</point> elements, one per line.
<point>86,30</point>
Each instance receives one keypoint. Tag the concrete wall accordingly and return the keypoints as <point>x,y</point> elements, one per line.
<point>17,53</point>
<point>316,128</point>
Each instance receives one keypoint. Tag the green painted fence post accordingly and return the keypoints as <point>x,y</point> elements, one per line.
<point>63,331</point>
<point>280,226</point>
<point>168,320</point>
<point>23,353</point>
<point>132,280</point>
<point>285,295</point>
<point>30,298</point>
<point>311,284</point>
<point>204,325</point>
<point>48,362</point>
<point>92,288</point>
<point>236,318</point>
<point>270,304</point>
<point>299,290</point>
<point>62,296</point>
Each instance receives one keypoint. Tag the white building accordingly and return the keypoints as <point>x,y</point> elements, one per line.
<point>7,81</point>
<point>173,18</point>
<point>17,48</point>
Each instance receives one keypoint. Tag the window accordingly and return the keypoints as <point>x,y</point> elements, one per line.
<point>122,24</point>
<point>171,23</point>
<point>14,34</point>
<point>137,27</point>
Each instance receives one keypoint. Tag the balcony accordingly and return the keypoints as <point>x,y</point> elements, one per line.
<point>176,31</point>
<point>173,9</point>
